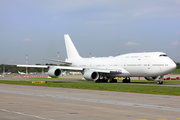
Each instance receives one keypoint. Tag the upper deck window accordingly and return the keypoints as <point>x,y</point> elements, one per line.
<point>162,55</point>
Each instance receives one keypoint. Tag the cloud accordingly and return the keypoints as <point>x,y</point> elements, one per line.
<point>175,43</point>
<point>27,40</point>
<point>172,45</point>
<point>177,33</point>
<point>131,44</point>
<point>137,14</point>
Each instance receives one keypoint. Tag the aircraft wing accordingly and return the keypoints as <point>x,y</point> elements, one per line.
<point>46,66</point>
<point>35,66</point>
<point>118,71</point>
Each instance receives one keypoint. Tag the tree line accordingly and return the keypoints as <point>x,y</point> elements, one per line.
<point>15,69</point>
<point>178,65</point>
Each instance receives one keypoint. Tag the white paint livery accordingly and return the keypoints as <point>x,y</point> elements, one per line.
<point>151,65</point>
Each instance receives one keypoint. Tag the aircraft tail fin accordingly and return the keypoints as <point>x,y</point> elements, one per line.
<point>70,48</point>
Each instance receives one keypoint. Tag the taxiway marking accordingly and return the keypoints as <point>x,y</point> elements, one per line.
<point>19,113</point>
<point>99,101</point>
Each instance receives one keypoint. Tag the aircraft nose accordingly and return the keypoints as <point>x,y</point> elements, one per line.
<point>172,66</point>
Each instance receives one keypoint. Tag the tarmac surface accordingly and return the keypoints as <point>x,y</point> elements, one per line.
<point>81,80</point>
<point>19,102</point>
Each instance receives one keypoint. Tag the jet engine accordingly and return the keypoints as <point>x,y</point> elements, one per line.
<point>91,75</point>
<point>54,72</point>
<point>151,78</point>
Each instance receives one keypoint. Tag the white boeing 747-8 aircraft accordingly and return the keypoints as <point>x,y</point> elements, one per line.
<point>151,65</point>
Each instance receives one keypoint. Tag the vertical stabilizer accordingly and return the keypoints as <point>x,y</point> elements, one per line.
<point>70,48</point>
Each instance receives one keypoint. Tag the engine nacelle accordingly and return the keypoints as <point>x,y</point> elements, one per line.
<point>91,75</point>
<point>54,72</point>
<point>151,78</point>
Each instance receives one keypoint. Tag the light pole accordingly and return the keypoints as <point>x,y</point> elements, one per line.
<point>58,58</point>
<point>26,63</point>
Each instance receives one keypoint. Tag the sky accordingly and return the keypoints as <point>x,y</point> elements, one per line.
<point>100,27</point>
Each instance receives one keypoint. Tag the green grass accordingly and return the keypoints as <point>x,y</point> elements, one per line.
<point>147,89</point>
<point>58,78</point>
<point>155,82</point>
<point>176,71</point>
<point>132,81</point>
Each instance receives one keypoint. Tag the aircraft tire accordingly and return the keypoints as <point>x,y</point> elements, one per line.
<point>159,82</point>
<point>125,81</point>
<point>113,81</point>
<point>97,81</point>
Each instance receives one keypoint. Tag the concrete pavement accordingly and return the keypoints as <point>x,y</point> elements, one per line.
<point>18,102</point>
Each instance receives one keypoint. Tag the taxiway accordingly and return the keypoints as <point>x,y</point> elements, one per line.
<point>20,102</point>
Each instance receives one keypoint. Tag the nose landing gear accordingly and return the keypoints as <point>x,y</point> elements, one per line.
<point>160,81</point>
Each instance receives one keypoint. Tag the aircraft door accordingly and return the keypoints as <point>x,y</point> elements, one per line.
<point>149,66</point>
<point>125,65</point>
<point>140,66</point>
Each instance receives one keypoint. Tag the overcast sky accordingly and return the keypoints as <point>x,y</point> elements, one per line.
<point>101,27</point>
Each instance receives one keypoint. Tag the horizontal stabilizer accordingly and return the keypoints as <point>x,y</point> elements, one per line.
<point>57,61</point>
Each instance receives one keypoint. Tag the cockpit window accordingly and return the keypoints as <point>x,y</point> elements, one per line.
<point>162,55</point>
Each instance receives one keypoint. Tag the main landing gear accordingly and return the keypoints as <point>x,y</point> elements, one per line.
<point>112,80</point>
<point>105,80</point>
<point>102,80</point>
<point>126,80</point>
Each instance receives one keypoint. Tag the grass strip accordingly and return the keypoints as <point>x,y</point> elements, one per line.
<point>147,89</point>
<point>132,81</point>
<point>155,82</point>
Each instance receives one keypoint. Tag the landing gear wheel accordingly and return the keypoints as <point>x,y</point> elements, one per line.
<point>97,81</point>
<point>104,80</point>
<point>159,82</point>
<point>126,80</point>
<point>112,80</point>
<point>115,81</point>
<point>101,81</point>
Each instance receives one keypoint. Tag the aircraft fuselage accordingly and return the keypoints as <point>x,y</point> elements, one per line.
<point>137,64</point>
